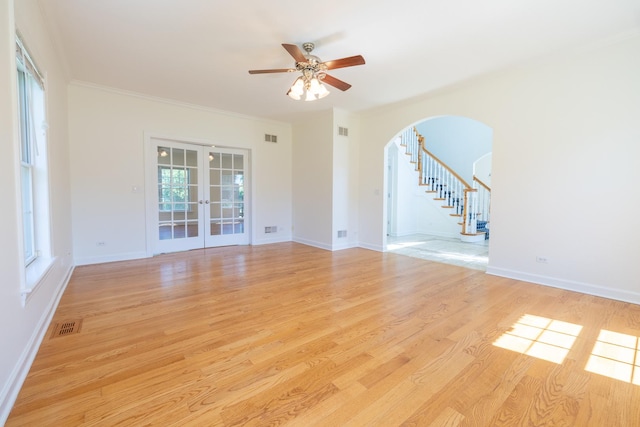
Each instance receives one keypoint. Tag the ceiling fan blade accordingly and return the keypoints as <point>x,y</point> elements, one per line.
<point>295,52</point>
<point>273,70</point>
<point>344,62</point>
<point>337,83</point>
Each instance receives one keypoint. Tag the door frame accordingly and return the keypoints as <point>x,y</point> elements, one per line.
<point>150,196</point>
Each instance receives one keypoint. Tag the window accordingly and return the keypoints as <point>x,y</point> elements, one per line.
<point>34,180</point>
<point>174,189</point>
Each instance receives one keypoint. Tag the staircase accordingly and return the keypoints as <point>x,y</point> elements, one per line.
<point>469,204</point>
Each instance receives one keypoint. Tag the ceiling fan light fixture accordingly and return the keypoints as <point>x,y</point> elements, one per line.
<point>293,95</point>
<point>298,86</point>
<point>314,72</point>
<point>314,86</point>
<point>322,92</point>
<point>310,96</point>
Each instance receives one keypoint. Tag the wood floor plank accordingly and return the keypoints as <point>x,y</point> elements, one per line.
<point>288,334</point>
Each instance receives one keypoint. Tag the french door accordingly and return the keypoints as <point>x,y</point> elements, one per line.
<point>199,196</point>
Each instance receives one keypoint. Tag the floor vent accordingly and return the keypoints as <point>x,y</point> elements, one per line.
<point>68,327</point>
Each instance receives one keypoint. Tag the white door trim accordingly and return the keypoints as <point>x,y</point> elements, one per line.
<point>150,171</point>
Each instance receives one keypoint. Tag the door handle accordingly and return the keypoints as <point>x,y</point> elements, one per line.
<point>200,201</point>
<point>206,201</point>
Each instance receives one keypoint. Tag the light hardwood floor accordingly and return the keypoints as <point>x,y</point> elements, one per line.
<point>289,334</point>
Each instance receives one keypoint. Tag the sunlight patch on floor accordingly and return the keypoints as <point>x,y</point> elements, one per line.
<point>400,245</point>
<point>616,356</point>
<point>540,337</point>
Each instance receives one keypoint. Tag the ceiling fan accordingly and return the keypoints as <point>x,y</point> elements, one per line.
<point>314,72</point>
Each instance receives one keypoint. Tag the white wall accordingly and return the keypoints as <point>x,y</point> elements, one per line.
<point>313,180</point>
<point>345,180</point>
<point>26,325</point>
<point>402,180</point>
<point>107,131</point>
<point>325,180</point>
<point>565,152</point>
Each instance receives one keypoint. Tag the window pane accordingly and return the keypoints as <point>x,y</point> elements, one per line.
<point>227,162</point>
<point>216,211</point>
<point>214,160</point>
<point>214,177</point>
<point>227,177</point>
<point>192,158</point>
<point>214,194</point>
<point>178,156</point>
<point>238,160</point>
<point>164,155</point>
<point>215,228</point>
<point>27,213</point>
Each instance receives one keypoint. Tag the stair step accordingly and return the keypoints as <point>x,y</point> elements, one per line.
<point>439,198</point>
<point>430,191</point>
<point>449,207</point>
<point>455,214</point>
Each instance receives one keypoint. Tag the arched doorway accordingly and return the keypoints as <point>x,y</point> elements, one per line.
<point>421,222</point>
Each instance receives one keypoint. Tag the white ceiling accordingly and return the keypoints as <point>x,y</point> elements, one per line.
<point>199,51</point>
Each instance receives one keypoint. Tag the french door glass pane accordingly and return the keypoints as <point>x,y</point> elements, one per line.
<point>226,193</point>
<point>177,193</point>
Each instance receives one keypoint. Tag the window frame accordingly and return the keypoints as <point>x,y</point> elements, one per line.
<point>27,166</point>
<point>32,173</point>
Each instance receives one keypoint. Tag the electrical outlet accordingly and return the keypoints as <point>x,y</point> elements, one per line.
<point>542,259</point>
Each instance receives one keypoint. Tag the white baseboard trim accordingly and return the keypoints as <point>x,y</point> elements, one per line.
<point>372,247</point>
<point>569,285</point>
<point>10,391</point>
<point>312,243</point>
<point>343,246</point>
<point>110,258</point>
<point>271,240</point>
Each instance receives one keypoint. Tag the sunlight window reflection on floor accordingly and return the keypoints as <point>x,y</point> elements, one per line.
<point>540,337</point>
<point>616,356</point>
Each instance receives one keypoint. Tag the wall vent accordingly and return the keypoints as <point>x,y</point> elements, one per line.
<point>271,229</point>
<point>343,131</point>
<point>270,138</point>
<point>342,233</point>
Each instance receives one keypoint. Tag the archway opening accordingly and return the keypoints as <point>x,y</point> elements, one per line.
<point>425,214</point>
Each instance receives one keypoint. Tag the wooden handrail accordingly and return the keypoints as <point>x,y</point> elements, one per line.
<point>476,179</point>
<point>441,178</point>
<point>444,165</point>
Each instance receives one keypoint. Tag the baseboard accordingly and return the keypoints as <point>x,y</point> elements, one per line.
<point>110,258</point>
<point>14,383</point>
<point>569,285</point>
<point>372,247</point>
<point>312,243</point>
<point>343,246</point>
<point>271,240</point>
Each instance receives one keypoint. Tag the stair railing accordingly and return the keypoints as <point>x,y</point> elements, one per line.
<point>484,202</point>
<point>484,198</point>
<point>442,181</point>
